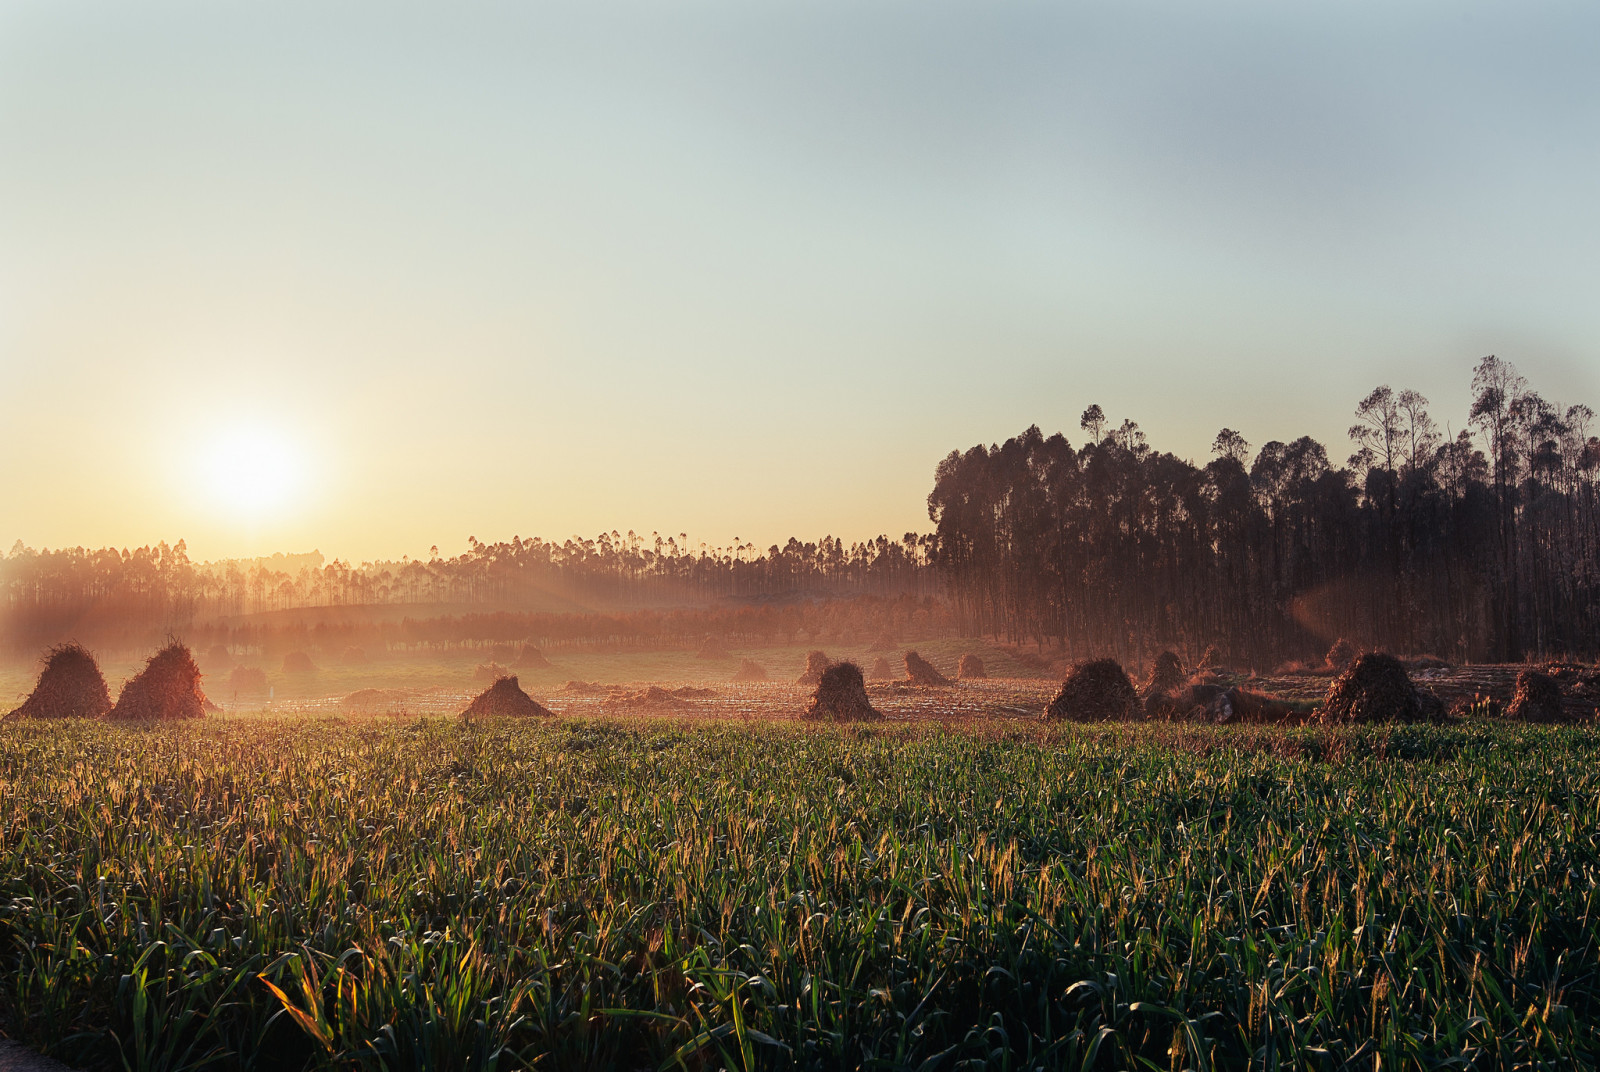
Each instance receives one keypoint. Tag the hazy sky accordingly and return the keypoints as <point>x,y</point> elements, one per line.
<point>370,277</point>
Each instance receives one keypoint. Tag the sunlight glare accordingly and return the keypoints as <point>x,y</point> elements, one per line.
<point>252,471</point>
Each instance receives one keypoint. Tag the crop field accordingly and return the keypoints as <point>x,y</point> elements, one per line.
<point>273,893</point>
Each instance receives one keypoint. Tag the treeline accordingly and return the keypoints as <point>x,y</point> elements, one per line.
<point>861,620</point>
<point>127,597</point>
<point>1484,545</point>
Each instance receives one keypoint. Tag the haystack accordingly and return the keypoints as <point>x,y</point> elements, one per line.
<point>885,641</point>
<point>653,696</point>
<point>1537,699</point>
<point>369,700</point>
<point>1161,691</point>
<point>353,655</point>
<point>1376,688</point>
<point>970,667</point>
<point>750,670</point>
<point>70,686</point>
<point>588,688</point>
<point>816,663</point>
<point>882,669</point>
<point>921,672</point>
<point>713,648</point>
<point>1341,655</point>
<point>1166,674</point>
<point>248,679</point>
<point>530,657</point>
<point>217,655</point>
<point>1095,691</point>
<point>167,688</point>
<point>841,696</point>
<point>505,699</point>
<point>690,692</point>
<point>298,662</point>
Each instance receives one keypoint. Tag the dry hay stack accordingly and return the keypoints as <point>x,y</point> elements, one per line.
<point>248,679</point>
<point>587,688</point>
<point>690,692</point>
<point>920,671</point>
<point>750,670</point>
<point>882,669</point>
<point>713,648</point>
<point>217,655</point>
<point>505,699</point>
<point>298,662</point>
<point>885,641</point>
<point>530,657</point>
<point>841,696</point>
<point>353,656</point>
<point>1376,688</point>
<point>70,686</point>
<point>1537,699</point>
<point>970,668</point>
<point>817,663</point>
<point>654,696</point>
<point>372,699</point>
<point>489,672</point>
<point>167,688</point>
<point>1095,691</point>
<point>1341,655</point>
<point>1160,688</point>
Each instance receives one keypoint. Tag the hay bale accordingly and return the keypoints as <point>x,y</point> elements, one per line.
<point>817,663</point>
<point>353,656</point>
<point>921,672</point>
<point>488,673</point>
<point>750,670</point>
<point>1341,655</point>
<point>298,662</point>
<point>1375,688</point>
<point>248,679</point>
<point>505,699</point>
<point>882,669</point>
<point>70,686</point>
<point>970,668</point>
<point>167,688</point>
<point>1097,690</point>
<point>713,648</point>
<point>841,696</point>
<point>530,657</point>
<point>1537,699</point>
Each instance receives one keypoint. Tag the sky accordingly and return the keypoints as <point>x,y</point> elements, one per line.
<point>370,278</point>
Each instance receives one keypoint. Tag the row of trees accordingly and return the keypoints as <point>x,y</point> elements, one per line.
<point>121,597</point>
<point>1485,545</point>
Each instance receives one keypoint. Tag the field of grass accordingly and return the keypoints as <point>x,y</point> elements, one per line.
<point>280,893</point>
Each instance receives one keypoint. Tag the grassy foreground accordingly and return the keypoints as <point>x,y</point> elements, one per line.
<point>265,894</point>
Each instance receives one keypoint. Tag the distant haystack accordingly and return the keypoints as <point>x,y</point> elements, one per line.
<point>1095,691</point>
<point>353,656</point>
<point>713,648</point>
<point>1537,699</point>
<point>921,672</point>
<point>841,696</point>
<point>70,686</point>
<point>882,669</point>
<point>652,696</point>
<point>588,688</point>
<point>1376,688</point>
<point>488,673</point>
<point>529,657</point>
<point>505,699</point>
<point>816,663</point>
<point>167,688</point>
<point>1165,675</point>
<point>750,670</point>
<point>298,662</point>
<point>217,655</point>
<point>1341,655</point>
<point>248,679</point>
<point>885,641</point>
<point>970,668</point>
<point>691,692</point>
<point>373,700</point>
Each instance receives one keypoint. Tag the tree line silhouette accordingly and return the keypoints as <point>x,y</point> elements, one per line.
<point>1484,545</point>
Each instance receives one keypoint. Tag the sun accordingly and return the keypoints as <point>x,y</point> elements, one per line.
<point>252,470</point>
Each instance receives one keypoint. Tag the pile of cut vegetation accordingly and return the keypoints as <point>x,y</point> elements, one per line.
<point>489,672</point>
<point>885,641</point>
<point>713,648</point>
<point>529,657</point>
<point>353,656</point>
<point>70,686</point>
<point>882,669</point>
<point>248,679</point>
<point>970,668</point>
<point>653,696</point>
<point>1341,656</point>
<point>1162,689</point>
<point>1537,699</point>
<point>505,699</point>
<point>920,671</point>
<point>1376,688</point>
<point>750,670</point>
<point>589,688</point>
<point>167,688</point>
<point>1096,690</point>
<point>217,655</point>
<point>841,696</point>
<point>816,663</point>
<point>373,699</point>
<point>298,662</point>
